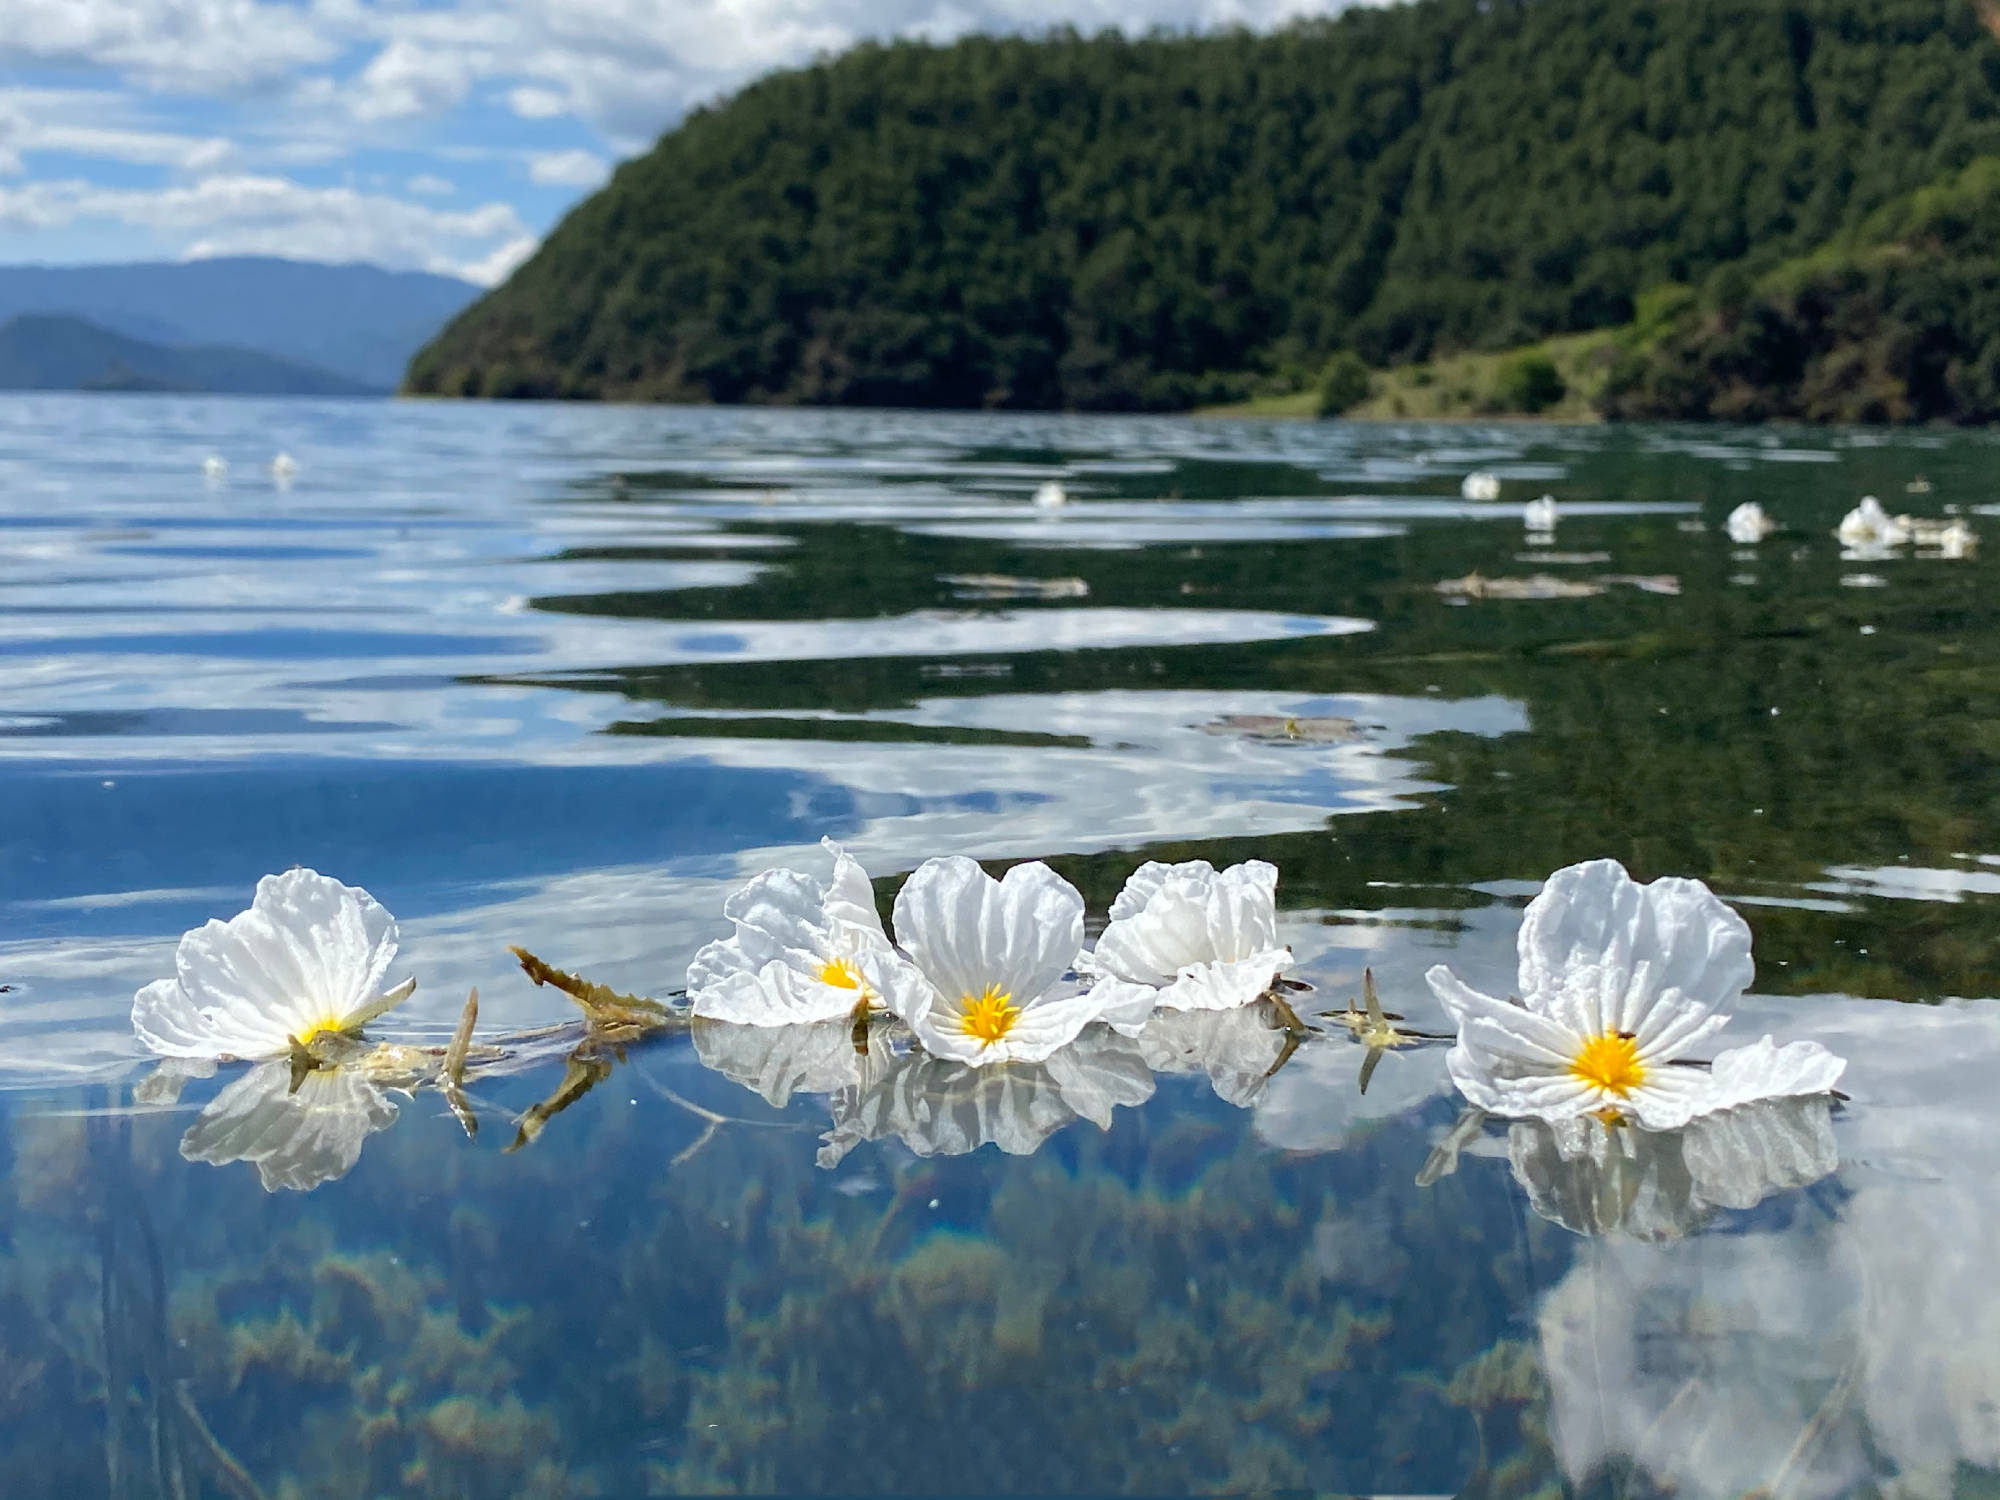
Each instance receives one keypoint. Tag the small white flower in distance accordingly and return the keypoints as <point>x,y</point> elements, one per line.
<point>1479,485</point>
<point>1748,525</point>
<point>308,958</point>
<point>795,955</point>
<point>1618,980</point>
<point>1541,515</point>
<point>984,979</point>
<point>1868,525</point>
<point>1198,938</point>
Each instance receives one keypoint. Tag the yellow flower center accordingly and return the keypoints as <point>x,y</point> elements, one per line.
<point>841,974</point>
<point>989,1015</point>
<point>331,1026</point>
<point>1610,1062</point>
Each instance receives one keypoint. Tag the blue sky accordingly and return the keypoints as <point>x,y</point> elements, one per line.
<point>442,135</point>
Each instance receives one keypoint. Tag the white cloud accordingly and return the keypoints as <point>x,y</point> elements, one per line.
<point>242,214</point>
<point>189,46</point>
<point>537,104</point>
<point>428,185</point>
<point>577,169</point>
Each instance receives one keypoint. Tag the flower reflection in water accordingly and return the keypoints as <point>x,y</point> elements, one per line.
<point>942,1107</point>
<point>1595,1178</point>
<point>296,1137</point>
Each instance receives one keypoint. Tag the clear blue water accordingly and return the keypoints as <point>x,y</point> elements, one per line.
<point>562,677</point>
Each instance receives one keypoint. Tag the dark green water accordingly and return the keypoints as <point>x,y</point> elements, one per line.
<point>564,678</point>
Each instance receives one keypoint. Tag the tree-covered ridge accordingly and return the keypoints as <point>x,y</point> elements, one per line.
<point>1898,321</point>
<point>1113,223</point>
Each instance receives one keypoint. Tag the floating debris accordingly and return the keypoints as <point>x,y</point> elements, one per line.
<point>1646,583</point>
<point>1918,486</point>
<point>1476,585</point>
<point>1007,586</point>
<point>1282,729</point>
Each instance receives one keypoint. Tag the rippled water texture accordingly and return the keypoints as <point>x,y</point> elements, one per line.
<point>563,677</point>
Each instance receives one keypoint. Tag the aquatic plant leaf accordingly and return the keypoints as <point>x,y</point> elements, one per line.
<point>601,1005</point>
<point>451,1080</point>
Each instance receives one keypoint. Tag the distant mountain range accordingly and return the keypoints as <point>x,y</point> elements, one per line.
<point>354,322</point>
<point>56,352</point>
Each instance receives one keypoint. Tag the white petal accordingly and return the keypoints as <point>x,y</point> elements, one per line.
<point>776,995</point>
<point>1148,878</point>
<point>310,952</point>
<point>1170,918</point>
<point>1124,1007</point>
<point>1224,986</point>
<point>778,914</point>
<point>850,898</point>
<point>970,933</point>
<point>169,1023</point>
<point>901,986</point>
<point>1597,950</point>
<point>1764,1070</point>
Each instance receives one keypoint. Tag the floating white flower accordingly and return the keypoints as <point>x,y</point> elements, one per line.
<point>1540,515</point>
<point>1201,939</point>
<point>308,958</point>
<point>986,984</point>
<point>1479,485</point>
<point>284,469</point>
<point>795,955</point>
<point>1748,525</point>
<point>1868,525</point>
<point>1050,495</point>
<point>1618,982</point>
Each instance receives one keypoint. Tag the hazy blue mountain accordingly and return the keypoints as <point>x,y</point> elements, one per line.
<point>56,352</point>
<point>354,320</point>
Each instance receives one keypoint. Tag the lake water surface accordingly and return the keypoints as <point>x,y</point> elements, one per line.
<point>563,677</point>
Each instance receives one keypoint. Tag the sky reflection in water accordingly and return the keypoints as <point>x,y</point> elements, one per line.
<point>563,678</point>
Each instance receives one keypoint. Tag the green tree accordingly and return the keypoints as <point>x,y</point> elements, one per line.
<point>1342,384</point>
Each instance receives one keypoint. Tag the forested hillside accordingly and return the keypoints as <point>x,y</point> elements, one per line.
<point>1110,223</point>
<point>1896,322</point>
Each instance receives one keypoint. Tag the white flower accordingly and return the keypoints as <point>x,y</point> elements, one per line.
<point>1748,524</point>
<point>1050,495</point>
<point>1618,980</point>
<point>1540,515</point>
<point>1480,485</point>
<point>794,958</point>
<point>1201,940</point>
<point>1869,526</point>
<point>308,958</point>
<point>298,1136</point>
<point>989,957</point>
